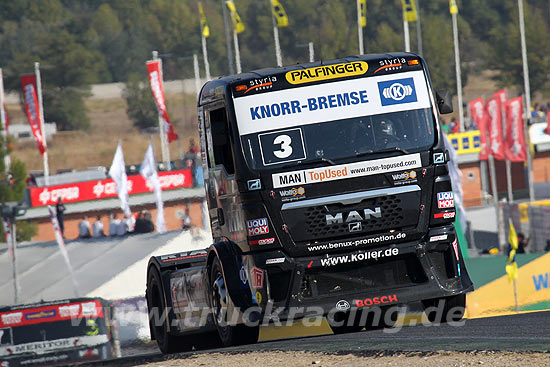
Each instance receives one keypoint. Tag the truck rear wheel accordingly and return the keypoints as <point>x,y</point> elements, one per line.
<point>158,318</point>
<point>445,309</point>
<point>229,334</point>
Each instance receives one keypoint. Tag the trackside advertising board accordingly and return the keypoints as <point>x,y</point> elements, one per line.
<point>331,101</point>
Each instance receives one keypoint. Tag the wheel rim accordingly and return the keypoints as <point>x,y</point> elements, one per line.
<point>219,297</point>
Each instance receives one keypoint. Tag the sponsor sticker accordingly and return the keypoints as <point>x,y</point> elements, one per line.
<point>257,276</point>
<point>338,100</point>
<point>257,226</point>
<point>327,72</point>
<point>397,91</point>
<point>342,305</point>
<point>69,310</point>
<point>345,171</point>
<point>441,237</point>
<point>295,193</point>
<point>89,309</point>
<point>329,261</point>
<point>404,177</point>
<point>277,260</point>
<point>41,315</point>
<point>371,240</point>
<point>391,64</point>
<point>12,318</point>
<point>376,300</point>
<point>254,184</point>
<point>242,275</point>
<point>263,241</point>
<point>257,85</point>
<point>258,297</point>
<point>439,158</point>
<point>446,215</point>
<point>445,200</point>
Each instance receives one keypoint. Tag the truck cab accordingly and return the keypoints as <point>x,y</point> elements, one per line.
<point>327,187</point>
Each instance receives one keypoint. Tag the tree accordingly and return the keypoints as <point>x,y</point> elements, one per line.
<point>141,108</point>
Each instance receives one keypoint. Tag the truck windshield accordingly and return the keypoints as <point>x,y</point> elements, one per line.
<point>336,120</point>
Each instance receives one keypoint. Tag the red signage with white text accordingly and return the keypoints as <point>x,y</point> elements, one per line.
<point>38,315</point>
<point>477,111</point>
<point>102,189</point>
<point>515,137</point>
<point>32,109</point>
<point>494,119</point>
<point>155,78</point>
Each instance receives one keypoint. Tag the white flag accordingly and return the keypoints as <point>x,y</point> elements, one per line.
<point>118,174</point>
<point>149,172</point>
<point>62,248</point>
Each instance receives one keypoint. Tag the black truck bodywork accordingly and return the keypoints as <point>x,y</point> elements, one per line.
<point>310,209</point>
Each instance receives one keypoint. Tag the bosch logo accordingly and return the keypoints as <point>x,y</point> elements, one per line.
<point>343,305</point>
<point>397,91</point>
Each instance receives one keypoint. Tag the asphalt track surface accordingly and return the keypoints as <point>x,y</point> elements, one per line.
<point>528,332</point>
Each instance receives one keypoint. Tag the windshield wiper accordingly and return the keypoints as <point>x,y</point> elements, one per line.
<point>387,150</point>
<point>371,151</point>
<point>316,160</point>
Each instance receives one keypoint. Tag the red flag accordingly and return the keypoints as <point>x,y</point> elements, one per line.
<point>515,137</point>
<point>477,111</point>
<point>501,95</point>
<point>494,117</point>
<point>547,130</point>
<point>32,109</point>
<point>153,68</point>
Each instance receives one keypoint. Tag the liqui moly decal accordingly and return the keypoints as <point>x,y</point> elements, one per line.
<point>155,78</point>
<point>494,112</point>
<point>515,137</point>
<point>257,226</point>
<point>32,109</point>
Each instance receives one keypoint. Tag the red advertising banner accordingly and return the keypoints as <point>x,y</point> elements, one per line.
<point>32,109</point>
<point>515,137</point>
<point>494,117</point>
<point>38,315</point>
<point>477,111</point>
<point>153,68</point>
<point>501,95</point>
<point>102,189</point>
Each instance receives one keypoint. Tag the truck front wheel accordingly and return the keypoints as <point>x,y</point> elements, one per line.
<point>229,334</point>
<point>158,318</point>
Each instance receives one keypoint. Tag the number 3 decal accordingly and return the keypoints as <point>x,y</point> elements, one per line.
<point>286,148</point>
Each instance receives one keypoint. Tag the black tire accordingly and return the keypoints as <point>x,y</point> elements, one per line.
<point>209,340</point>
<point>159,325</point>
<point>345,322</point>
<point>453,308</point>
<point>229,334</point>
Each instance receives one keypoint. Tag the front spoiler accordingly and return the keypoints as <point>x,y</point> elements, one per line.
<point>295,305</point>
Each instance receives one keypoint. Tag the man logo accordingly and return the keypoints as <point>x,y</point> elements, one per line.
<point>353,216</point>
<point>342,305</point>
<point>355,227</point>
<point>397,91</point>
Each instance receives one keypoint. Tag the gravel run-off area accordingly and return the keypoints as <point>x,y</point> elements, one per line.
<point>372,359</point>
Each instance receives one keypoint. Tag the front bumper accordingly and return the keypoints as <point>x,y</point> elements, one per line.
<point>376,276</point>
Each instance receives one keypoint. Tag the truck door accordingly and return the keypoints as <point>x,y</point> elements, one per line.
<point>220,182</point>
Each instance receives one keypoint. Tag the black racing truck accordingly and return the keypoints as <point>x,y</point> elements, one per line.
<point>328,193</point>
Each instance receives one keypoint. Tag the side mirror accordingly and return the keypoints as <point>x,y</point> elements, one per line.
<point>444,101</point>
